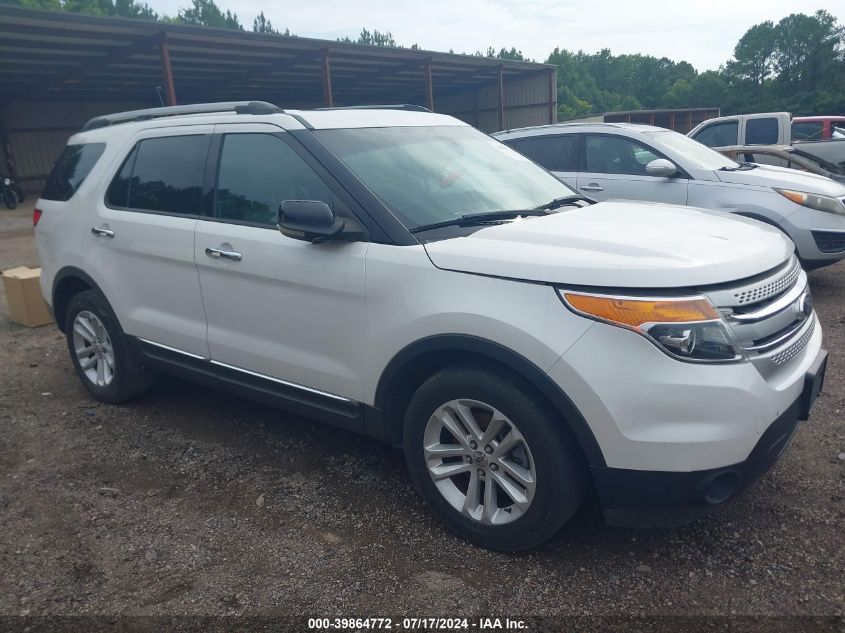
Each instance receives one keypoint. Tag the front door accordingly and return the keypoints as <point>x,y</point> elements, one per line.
<point>278,307</point>
<point>614,169</point>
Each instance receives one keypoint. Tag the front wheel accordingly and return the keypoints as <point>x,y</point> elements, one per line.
<point>490,459</point>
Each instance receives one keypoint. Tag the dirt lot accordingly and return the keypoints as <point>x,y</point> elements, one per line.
<point>188,501</point>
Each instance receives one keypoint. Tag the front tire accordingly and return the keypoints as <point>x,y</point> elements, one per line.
<point>490,459</point>
<point>102,354</point>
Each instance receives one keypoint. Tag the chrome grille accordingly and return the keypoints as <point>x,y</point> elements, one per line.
<point>766,317</point>
<point>770,287</point>
<point>793,350</point>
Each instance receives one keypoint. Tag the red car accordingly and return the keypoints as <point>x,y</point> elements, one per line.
<point>817,128</point>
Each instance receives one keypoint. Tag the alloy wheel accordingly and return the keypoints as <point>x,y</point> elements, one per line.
<point>93,348</point>
<point>479,461</point>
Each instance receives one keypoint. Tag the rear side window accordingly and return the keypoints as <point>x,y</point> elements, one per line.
<point>70,170</point>
<point>555,153</point>
<point>761,131</point>
<point>718,134</point>
<point>162,175</point>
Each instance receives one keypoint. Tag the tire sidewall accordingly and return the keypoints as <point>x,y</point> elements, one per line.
<point>92,301</point>
<point>559,487</point>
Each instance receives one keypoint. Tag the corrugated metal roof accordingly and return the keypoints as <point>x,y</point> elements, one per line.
<point>47,54</point>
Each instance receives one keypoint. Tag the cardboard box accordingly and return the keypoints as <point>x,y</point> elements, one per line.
<point>23,294</point>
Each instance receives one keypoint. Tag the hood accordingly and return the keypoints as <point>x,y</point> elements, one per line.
<point>784,178</point>
<point>619,244</point>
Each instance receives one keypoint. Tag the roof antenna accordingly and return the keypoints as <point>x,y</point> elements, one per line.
<point>159,94</point>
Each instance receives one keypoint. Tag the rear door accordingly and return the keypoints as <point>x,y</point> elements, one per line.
<point>142,240</point>
<point>557,153</point>
<point>278,308</point>
<point>613,167</point>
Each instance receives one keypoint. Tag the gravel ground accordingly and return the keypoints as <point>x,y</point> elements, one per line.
<point>192,502</point>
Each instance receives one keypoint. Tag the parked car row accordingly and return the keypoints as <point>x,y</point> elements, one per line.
<point>821,137</point>
<point>400,274</point>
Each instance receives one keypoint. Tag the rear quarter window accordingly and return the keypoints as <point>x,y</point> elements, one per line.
<point>71,169</point>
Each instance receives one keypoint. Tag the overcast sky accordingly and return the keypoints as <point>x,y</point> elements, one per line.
<point>702,33</point>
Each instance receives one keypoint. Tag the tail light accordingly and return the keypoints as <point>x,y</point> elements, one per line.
<point>36,216</point>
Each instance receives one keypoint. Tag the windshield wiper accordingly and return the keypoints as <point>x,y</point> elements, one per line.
<point>564,201</point>
<point>478,218</point>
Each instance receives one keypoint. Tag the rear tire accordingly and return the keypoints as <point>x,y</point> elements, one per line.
<point>103,356</point>
<point>491,459</point>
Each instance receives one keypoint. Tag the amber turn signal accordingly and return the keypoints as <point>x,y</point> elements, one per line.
<point>636,312</point>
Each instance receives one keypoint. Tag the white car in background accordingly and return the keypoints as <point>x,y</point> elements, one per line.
<point>639,162</point>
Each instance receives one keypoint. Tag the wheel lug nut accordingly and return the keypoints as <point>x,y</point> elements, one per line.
<point>473,445</point>
<point>480,472</point>
<point>494,467</point>
<point>488,449</point>
<point>468,459</point>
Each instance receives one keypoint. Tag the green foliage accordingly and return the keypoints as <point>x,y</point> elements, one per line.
<point>262,25</point>
<point>120,8</point>
<point>795,65</point>
<point>207,13</point>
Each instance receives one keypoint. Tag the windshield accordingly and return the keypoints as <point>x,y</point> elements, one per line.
<point>439,173</point>
<point>693,152</point>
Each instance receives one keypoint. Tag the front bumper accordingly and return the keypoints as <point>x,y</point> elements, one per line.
<point>642,498</point>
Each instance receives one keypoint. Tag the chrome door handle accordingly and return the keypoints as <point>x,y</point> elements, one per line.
<point>97,230</point>
<point>592,187</point>
<point>217,253</point>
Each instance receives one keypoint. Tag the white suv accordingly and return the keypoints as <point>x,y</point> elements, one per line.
<point>399,273</point>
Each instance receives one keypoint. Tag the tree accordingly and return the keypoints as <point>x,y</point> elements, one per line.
<point>807,49</point>
<point>753,58</point>
<point>262,25</point>
<point>207,13</point>
<point>376,38</point>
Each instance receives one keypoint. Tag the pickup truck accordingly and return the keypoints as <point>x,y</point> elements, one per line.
<point>768,128</point>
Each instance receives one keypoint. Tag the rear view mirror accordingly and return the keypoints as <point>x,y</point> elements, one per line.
<point>661,168</point>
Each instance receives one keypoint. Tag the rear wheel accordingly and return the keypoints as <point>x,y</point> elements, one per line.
<point>487,457</point>
<point>102,354</point>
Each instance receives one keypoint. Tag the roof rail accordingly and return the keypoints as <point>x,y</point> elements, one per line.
<point>239,107</point>
<point>396,106</point>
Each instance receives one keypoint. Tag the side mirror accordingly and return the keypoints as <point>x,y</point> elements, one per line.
<point>661,168</point>
<point>308,220</point>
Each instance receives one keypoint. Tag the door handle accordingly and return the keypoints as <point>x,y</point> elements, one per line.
<point>102,232</point>
<point>218,253</point>
<point>592,187</point>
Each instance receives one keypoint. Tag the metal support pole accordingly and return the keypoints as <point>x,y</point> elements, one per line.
<point>167,73</point>
<point>327,80</point>
<point>500,73</point>
<point>429,87</point>
<point>552,96</point>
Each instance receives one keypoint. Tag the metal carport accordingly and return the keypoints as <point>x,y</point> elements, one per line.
<point>59,69</point>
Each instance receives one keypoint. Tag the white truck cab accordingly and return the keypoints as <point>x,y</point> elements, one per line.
<point>400,274</point>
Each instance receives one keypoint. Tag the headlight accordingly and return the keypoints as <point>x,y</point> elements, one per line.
<point>814,201</point>
<point>689,329</point>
